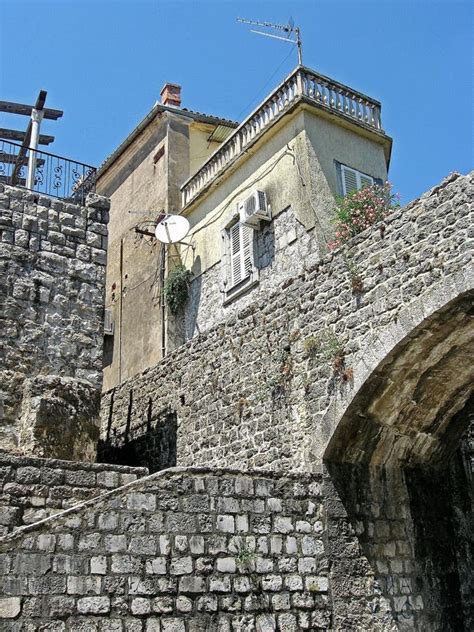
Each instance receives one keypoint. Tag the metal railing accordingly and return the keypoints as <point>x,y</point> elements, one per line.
<point>301,84</point>
<point>54,175</point>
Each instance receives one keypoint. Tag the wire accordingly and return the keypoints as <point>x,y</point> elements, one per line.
<point>241,190</point>
<point>265,86</point>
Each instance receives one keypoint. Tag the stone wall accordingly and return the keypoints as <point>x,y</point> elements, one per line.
<point>33,489</point>
<point>53,256</point>
<point>282,247</point>
<point>262,388</point>
<point>197,550</point>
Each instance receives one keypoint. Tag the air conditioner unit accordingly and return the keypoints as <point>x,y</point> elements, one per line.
<point>108,323</point>
<point>254,208</point>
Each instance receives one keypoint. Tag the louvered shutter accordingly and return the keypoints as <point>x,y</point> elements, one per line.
<point>247,251</point>
<point>349,180</point>
<point>365,181</point>
<point>235,254</point>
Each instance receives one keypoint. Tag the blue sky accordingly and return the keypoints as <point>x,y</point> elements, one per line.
<point>104,61</point>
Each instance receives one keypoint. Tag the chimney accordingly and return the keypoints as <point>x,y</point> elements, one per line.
<point>171,95</point>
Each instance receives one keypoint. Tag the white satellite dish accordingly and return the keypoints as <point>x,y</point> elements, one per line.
<point>171,229</point>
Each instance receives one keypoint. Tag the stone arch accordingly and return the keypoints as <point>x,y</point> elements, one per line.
<point>411,381</point>
<point>391,456</point>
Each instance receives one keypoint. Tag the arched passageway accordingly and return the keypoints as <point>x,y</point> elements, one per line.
<point>400,461</point>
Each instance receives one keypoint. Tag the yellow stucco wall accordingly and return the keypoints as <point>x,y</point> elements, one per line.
<point>294,163</point>
<point>140,186</point>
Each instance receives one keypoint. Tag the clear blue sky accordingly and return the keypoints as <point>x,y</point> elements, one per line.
<point>104,61</point>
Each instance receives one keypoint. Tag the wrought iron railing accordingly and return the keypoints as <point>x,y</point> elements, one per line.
<point>54,175</point>
<point>301,84</point>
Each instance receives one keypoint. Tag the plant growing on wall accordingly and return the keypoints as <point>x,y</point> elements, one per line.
<point>360,209</point>
<point>176,288</point>
<point>332,350</point>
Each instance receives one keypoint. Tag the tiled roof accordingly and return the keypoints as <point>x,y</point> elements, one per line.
<point>157,108</point>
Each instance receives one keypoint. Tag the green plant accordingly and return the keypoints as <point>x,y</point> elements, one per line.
<point>360,209</point>
<point>332,348</point>
<point>357,283</point>
<point>312,346</point>
<point>176,288</point>
<point>245,557</point>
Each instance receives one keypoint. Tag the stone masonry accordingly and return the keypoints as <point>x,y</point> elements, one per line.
<point>192,551</point>
<point>338,532</point>
<point>260,389</point>
<point>52,258</point>
<point>32,489</point>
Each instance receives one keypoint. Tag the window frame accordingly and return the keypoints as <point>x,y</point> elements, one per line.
<point>341,167</point>
<point>231,290</point>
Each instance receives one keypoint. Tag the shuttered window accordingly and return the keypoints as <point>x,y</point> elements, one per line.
<point>353,180</point>
<point>241,253</point>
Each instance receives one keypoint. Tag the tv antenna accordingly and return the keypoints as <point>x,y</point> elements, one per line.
<point>289,29</point>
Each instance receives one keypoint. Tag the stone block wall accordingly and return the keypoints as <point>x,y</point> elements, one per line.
<point>195,551</point>
<point>32,489</point>
<point>259,389</point>
<point>282,246</point>
<point>52,257</point>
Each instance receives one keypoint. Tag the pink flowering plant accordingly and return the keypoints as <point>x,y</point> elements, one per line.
<point>360,209</point>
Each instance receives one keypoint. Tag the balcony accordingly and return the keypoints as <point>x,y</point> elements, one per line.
<point>54,175</point>
<point>302,85</point>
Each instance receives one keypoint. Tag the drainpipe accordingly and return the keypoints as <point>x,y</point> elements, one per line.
<point>163,306</point>
<point>120,312</point>
<point>36,118</point>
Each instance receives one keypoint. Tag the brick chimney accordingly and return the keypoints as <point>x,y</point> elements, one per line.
<point>171,94</point>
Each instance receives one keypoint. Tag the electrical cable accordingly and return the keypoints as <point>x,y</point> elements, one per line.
<point>265,86</point>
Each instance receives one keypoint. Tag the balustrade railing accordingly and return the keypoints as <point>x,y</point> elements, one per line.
<point>302,84</point>
<point>54,175</point>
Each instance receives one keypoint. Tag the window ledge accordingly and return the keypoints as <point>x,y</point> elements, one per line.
<point>241,288</point>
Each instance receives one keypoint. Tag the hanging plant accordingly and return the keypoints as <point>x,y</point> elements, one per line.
<point>176,288</point>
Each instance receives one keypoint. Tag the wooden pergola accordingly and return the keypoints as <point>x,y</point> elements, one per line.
<point>36,113</point>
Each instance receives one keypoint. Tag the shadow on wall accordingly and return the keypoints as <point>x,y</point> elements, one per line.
<point>151,444</point>
<point>415,527</point>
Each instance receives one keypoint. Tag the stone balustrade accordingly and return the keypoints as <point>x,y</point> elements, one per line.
<point>302,84</point>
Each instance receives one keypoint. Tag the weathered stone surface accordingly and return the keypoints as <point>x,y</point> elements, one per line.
<point>260,385</point>
<point>10,607</point>
<point>52,301</point>
<point>281,581</point>
<point>33,488</point>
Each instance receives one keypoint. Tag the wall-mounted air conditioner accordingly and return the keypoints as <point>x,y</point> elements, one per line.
<point>254,208</point>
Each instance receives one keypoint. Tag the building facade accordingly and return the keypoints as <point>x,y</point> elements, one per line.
<point>142,179</point>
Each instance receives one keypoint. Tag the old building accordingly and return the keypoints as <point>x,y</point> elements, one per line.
<point>323,137</point>
<point>142,179</point>
<point>311,140</point>
<point>318,404</point>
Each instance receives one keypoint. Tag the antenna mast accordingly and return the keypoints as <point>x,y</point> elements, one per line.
<point>286,28</point>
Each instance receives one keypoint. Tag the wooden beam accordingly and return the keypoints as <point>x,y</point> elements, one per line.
<point>11,159</point>
<point>39,105</point>
<point>7,180</point>
<point>13,134</point>
<point>25,110</point>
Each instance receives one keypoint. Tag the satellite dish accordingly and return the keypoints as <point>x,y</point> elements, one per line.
<point>171,229</point>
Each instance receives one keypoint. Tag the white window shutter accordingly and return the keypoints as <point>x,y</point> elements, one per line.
<point>247,251</point>
<point>365,181</point>
<point>240,240</point>
<point>349,180</point>
<point>235,254</point>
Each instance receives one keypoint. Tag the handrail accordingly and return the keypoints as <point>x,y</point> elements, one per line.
<point>54,175</point>
<point>302,83</point>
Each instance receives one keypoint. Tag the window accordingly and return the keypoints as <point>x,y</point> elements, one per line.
<point>353,180</point>
<point>239,266</point>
